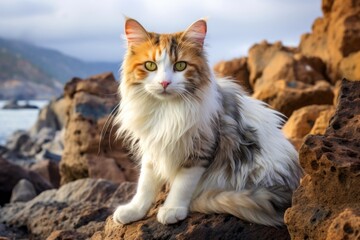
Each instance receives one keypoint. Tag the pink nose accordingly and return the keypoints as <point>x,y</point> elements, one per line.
<point>165,84</point>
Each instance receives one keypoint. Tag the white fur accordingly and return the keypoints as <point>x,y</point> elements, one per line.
<point>177,202</point>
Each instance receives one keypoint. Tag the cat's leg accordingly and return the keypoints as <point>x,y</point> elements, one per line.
<point>148,187</point>
<point>176,206</point>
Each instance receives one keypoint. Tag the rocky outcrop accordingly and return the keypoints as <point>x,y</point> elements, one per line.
<point>236,69</point>
<point>335,38</point>
<point>91,149</point>
<point>327,203</point>
<point>77,210</point>
<point>287,80</point>
<point>196,226</point>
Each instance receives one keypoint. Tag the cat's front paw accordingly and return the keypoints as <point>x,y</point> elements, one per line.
<point>167,215</point>
<point>127,213</point>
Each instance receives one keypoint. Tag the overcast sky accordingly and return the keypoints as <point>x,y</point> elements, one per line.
<point>91,29</point>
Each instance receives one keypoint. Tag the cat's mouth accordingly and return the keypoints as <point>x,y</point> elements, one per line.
<point>164,94</point>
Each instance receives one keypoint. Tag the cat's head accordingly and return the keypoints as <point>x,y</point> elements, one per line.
<point>166,66</point>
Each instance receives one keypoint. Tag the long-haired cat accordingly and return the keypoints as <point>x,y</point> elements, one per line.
<point>220,150</point>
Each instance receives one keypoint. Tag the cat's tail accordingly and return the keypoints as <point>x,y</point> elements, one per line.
<point>261,205</point>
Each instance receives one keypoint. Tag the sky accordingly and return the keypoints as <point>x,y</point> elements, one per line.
<point>92,30</point>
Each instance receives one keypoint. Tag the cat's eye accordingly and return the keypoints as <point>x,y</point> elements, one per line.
<point>150,66</point>
<point>180,66</point>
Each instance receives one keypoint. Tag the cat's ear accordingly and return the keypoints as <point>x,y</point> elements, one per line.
<point>134,32</point>
<point>196,32</point>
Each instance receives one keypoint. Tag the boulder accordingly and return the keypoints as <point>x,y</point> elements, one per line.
<point>312,119</point>
<point>77,209</point>
<point>11,174</point>
<point>329,191</point>
<point>195,226</point>
<point>23,191</point>
<point>91,148</point>
<point>236,69</point>
<point>53,116</point>
<point>259,57</point>
<point>292,67</point>
<point>286,97</point>
<point>334,37</point>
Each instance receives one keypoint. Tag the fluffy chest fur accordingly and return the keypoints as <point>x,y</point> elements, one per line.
<point>168,133</point>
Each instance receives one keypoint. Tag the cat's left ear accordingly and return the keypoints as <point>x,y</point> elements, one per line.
<point>196,32</point>
<point>135,32</point>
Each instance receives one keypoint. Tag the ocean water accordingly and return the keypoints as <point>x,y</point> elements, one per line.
<point>12,120</point>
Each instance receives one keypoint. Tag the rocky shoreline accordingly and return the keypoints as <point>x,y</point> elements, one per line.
<point>63,178</point>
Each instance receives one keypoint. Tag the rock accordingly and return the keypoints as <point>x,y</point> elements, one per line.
<point>77,209</point>
<point>17,141</point>
<point>350,67</point>
<point>196,226</point>
<point>322,121</point>
<point>23,191</point>
<point>259,57</point>
<point>335,37</point>
<point>330,189</point>
<point>292,67</point>
<point>287,97</point>
<point>24,148</point>
<point>91,149</point>
<point>235,69</point>
<point>13,104</point>
<point>11,174</point>
<point>307,120</point>
<point>10,233</point>
<point>66,235</point>
<point>53,116</point>
<point>345,226</point>
<point>49,170</point>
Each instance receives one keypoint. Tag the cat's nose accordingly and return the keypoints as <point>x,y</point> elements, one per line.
<point>165,84</point>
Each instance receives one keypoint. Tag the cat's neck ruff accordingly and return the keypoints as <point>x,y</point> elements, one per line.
<point>167,128</point>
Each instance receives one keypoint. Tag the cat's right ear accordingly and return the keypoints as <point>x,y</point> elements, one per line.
<point>134,32</point>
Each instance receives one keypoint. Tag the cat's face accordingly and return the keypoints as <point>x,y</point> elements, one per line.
<point>166,65</point>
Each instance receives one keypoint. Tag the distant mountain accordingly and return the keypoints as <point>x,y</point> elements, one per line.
<point>27,70</point>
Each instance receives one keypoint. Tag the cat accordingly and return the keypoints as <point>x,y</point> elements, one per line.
<point>220,150</point>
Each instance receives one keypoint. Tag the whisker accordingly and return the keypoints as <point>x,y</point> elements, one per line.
<point>110,135</point>
<point>106,125</point>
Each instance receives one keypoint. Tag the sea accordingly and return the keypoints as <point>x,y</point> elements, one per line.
<point>18,119</point>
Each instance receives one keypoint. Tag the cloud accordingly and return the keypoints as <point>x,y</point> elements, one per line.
<point>91,30</point>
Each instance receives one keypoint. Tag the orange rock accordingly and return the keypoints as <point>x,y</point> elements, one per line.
<point>345,226</point>
<point>350,66</point>
<point>304,120</point>
<point>235,69</point>
<point>287,97</point>
<point>335,37</point>
<point>259,57</point>
<point>332,166</point>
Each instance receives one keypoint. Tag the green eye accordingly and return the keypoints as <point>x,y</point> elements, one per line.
<point>180,66</point>
<point>150,66</point>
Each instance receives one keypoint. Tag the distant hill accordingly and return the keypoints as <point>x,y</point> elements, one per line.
<point>27,70</point>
